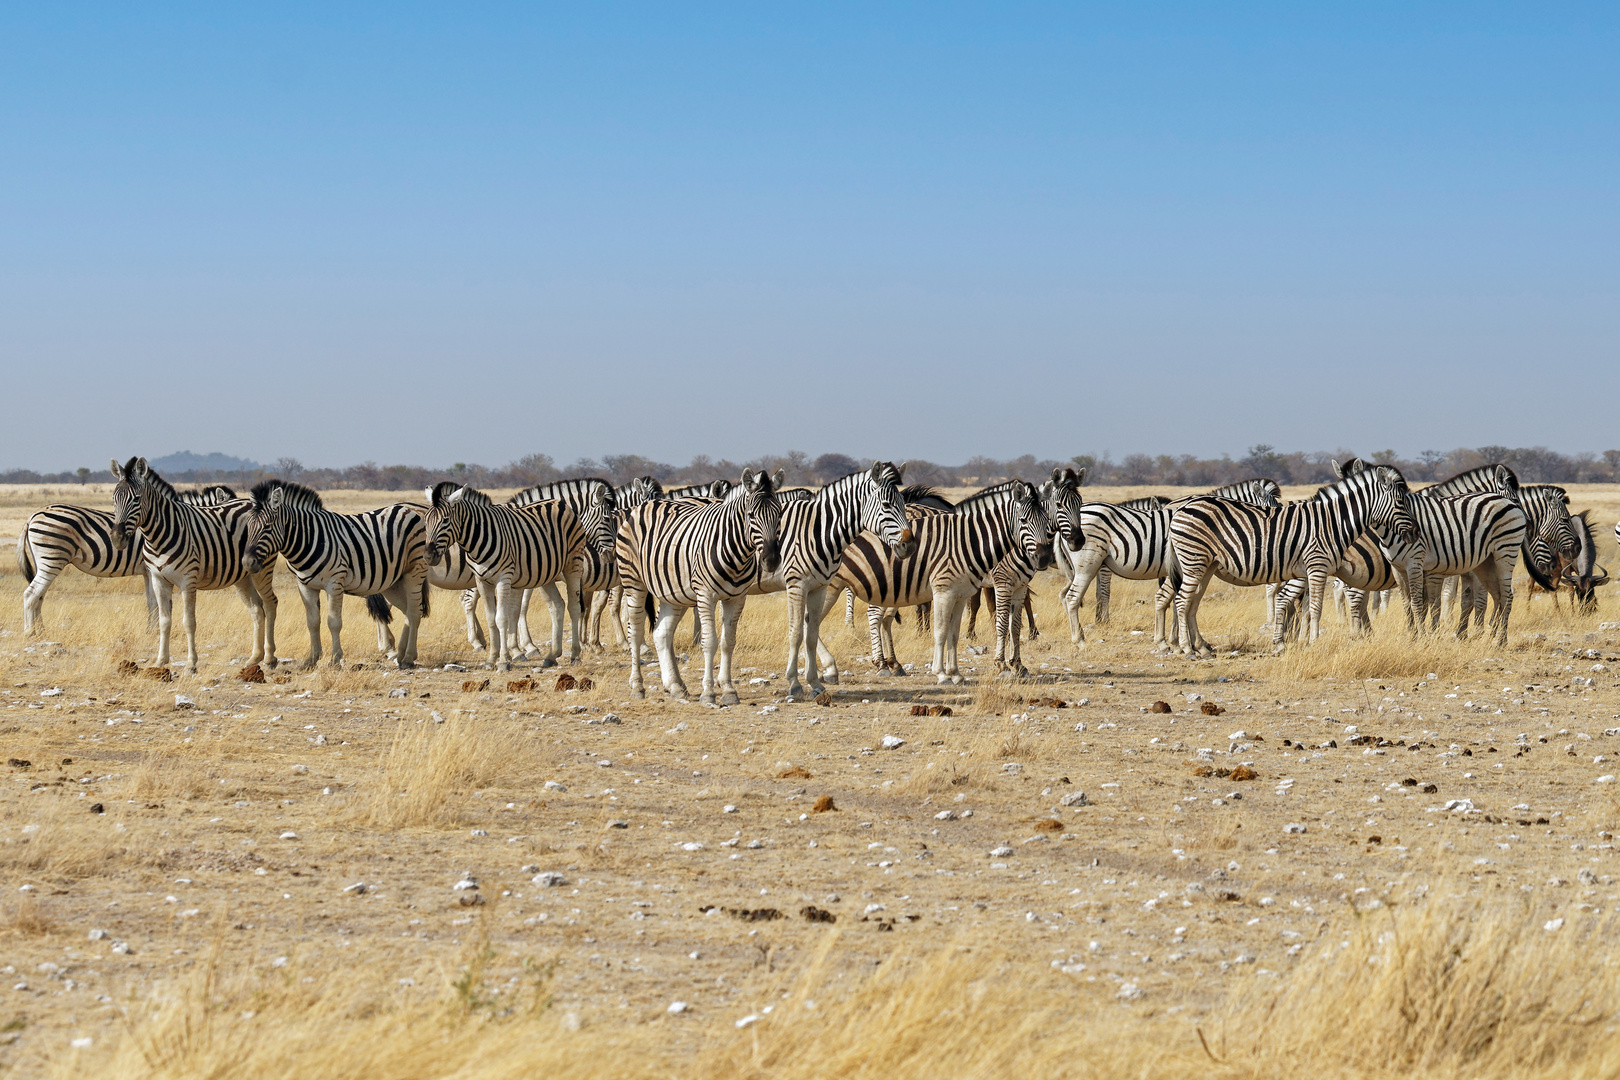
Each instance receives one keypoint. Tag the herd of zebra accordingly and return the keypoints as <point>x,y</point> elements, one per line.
<point>642,550</point>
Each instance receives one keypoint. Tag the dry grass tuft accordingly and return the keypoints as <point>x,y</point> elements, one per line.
<point>431,768</point>
<point>22,915</point>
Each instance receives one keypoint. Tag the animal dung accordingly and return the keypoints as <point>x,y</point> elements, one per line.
<point>1243,772</point>
<point>1048,825</point>
<point>159,674</point>
<point>128,667</point>
<point>20,763</point>
<point>472,686</point>
<point>919,710</point>
<point>823,804</point>
<point>584,683</point>
<point>565,681</point>
<point>1209,708</point>
<point>764,914</point>
<point>811,913</point>
<point>824,699</point>
<point>1159,707</point>
<point>520,686</point>
<point>794,772</point>
<point>939,710</point>
<point>253,673</point>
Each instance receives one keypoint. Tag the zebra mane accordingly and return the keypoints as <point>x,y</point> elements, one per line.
<point>992,493</point>
<point>923,493</point>
<point>540,492</point>
<point>1553,490</point>
<point>292,495</point>
<point>441,491</point>
<point>1484,478</point>
<point>154,483</point>
<point>211,495</point>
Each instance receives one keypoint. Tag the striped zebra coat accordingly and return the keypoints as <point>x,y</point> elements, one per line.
<point>191,548</point>
<point>1132,540</point>
<point>957,551</point>
<point>816,528</point>
<point>381,551</point>
<point>599,572</point>
<point>1251,545</point>
<point>694,553</point>
<point>60,536</point>
<point>512,548</point>
<point>1480,533</point>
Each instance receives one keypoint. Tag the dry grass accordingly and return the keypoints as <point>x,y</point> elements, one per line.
<point>430,768</point>
<point>1441,989</point>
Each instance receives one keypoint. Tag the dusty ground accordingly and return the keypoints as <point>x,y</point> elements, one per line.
<point>240,827</point>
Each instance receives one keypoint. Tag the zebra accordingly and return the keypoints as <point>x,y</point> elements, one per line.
<point>378,552</point>
<point>919,499</point>
<point>816,528</point>
<point>714,489</point>
<point>518,547</point>
<point>191,548</point>
<point>62,535</point>
<point>957,550</point>
<point>1252,545</point>
<point>1105,577</point>
<point>1060,498</point>
<point>1360,580</point>
<point>599,573</point>
<point>1480,533</point>
<point>1133,541</point>
<point>685,553</point>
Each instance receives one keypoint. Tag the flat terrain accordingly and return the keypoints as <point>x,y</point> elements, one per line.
<point>311,832</point>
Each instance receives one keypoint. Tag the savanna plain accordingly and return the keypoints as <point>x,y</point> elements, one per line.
<point>1363,858</point>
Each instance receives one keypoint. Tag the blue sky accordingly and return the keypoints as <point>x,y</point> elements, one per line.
<point>411,233</point>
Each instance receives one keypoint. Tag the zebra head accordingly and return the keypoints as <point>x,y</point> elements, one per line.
<point>763,513</point>
<point>599,517</point>
<point>130,501</point>
<point>1061,497</point>
<point>1030,524</point>
<point>883,509</point>
<point>265,525</point>
<point>446,522</point>
<point>1389,517</point>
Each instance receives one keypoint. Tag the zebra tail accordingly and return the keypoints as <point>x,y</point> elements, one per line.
<point>377,605</point>
<point>25,555</point>
<point>647,606</point>
<point>427,604</point>
<point>1539,576</point>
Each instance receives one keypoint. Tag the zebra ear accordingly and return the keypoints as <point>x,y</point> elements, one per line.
<point>456,495</point>
<point>429,493</point>
<point>901,470</point>
<point>141,468</point>
<point>777,478</point>
<point>275,498</point>
<point>117,470</point>
<point>1079,477</point>
<point>749,479</point>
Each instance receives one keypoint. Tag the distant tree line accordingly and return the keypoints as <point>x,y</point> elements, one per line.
<point>1534,464</point>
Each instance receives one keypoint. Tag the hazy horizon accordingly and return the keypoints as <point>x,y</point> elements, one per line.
<point>422,236</point>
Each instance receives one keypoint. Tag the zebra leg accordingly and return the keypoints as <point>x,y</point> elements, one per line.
<point>486,593</point>
<point>34,596</point>
<point>475,633</point>
<point>974,603</point>
<point>875,632</point>
<point>525,643</point>
<point>507,602</point>
<point>634,615</point>
<point>1499,571</point>
<point>255,606</point>
<point>815,608</point>
<point>1355,605</point>
<point>576,620</point>
<point>1088,564</point>
<point>559,609</point>
<point>188,617</point>
<point>1480,597</point>
<point>797,607</point>
<point>151,601</point>
<point>334,621</point>
<point>849,607</point>
<point>1316,581</point>
<point>312,620</point>
<point>1188,597</point>
<point>1029,613</point>
<point>385,638</point>
<point>669,619</point>
<point>730,609</point>
<point>1166,630</point>
<point>1014,607</point>
<point>947,633</point>
<point>165,598</point>
<point>402,594</point>
<point>1105,584</point>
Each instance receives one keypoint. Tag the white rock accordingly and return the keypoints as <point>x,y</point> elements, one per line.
<point>728,809</point>
<point>300,769</point>
<point>1238,736</point>
<point>289,835</point>
<point>1553,924</point>
<point>1000,852</point>
<point>320,740</point>
<point>358,888</point>
<point>468,882</point>
<point>893,742</point>
<point>480,832</point>
<point>1293,827</point>
<point>677,1007</point>
<point>768,709</point>
<point>1194,697</point>
<point>1129,992</point>
<point>552,785</point>
<point>871,908</point>
<point>691,845</point>
<point>56,691</point>
<point>1459,806</point>
<point>183,702</point>
<point>549,879</point>
<point>945,815</point>
<point>1074,798</point>
<point>122,948</point>
<point>750,1019</point>
<point>98,935</point>
<point>84,1042</point>
<point>399,692</point>
<point>438,718</point>
<point>1607,778</point>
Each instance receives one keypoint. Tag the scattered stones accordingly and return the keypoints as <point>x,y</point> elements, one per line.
<point>1129,992</point>
<point>1293,827</point>
<point>1553,925</point>
<point>1459,806</point>
<point>618,824</point>
<point>98,935</point>
<point>122,948</point>
<point>300,770</point>
<point>1074,798</point>
<point>945,815</point>
<point>289,835</point>
<point>467,882</point>
<point>359,888</point>
<point>471,899</point>
<point>1159,707</point>
<point>1000,852</point>
<point>548,879</point>
<point>399,692</point>
<point>552,785</point>
<point>605,718</point>
<point>253,673</point>
<point>824,804</point>
<point>692,845</point>
<point>728,809</point>
<point>182,702</point>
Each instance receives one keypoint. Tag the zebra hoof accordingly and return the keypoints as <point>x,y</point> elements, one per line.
<point>730,698</point>
<point>639,695</point>
<point>705,699</point>
<point>830,677</point>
